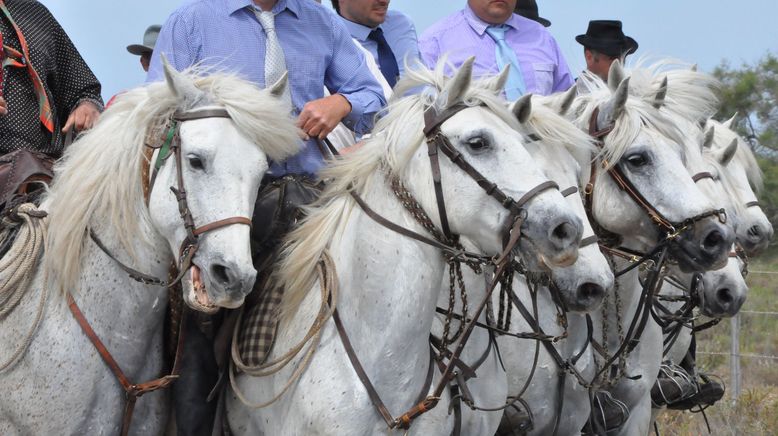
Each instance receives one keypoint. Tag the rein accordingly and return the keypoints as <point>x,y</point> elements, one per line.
<point>187,251</point>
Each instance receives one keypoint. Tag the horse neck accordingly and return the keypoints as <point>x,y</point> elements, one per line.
<point>389,284</point>
<point>125,313</point>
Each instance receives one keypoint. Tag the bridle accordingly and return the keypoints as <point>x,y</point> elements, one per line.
<point>448,243</point>
<point>170,146</point>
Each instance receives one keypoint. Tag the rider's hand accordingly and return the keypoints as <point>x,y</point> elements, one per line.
<point>319,117</point>
<point>83,117</point>
<point>3,106</point>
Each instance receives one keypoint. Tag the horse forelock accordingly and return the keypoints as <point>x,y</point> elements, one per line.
<point>98,179</point>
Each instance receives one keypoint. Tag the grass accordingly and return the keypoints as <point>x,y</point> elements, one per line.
<point>756,410</point>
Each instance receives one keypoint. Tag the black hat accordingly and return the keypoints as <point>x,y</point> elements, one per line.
<point>606,37</point>
<point>529,9</point>
<point>149,39</point>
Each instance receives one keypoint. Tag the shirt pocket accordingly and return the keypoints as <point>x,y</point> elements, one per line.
<point>544,78</point>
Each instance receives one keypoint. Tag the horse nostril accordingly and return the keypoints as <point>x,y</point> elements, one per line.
<point>589,291</point>
<point>754,232</point>
<point>724,296</point>
<point>713,241</point>
<point>220,273</point>
<point>565,233</point>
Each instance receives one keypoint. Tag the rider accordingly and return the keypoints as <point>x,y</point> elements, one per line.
<point>273,34</point>
<point>147,48</point>
<point>498,37</point>
<point>46,88</point>
<point>604,42</point>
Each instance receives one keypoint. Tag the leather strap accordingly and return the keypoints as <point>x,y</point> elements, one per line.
<point>702,175</point>
<point>198,114</point>
<point>222,223</point>
<point>569,191</point>
<point>132,391</point>
<point>752,204</point>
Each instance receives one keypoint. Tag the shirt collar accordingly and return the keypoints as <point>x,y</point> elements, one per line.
<point>236,5</point>
<point>358,31</point>
<point>479,25</point>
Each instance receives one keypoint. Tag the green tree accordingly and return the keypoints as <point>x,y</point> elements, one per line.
<point>752,92</point>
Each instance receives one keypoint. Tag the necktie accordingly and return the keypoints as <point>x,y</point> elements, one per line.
<point>514,87</point>
<point>275,64</point>
<point>386,59</point>
<point>13,58</point>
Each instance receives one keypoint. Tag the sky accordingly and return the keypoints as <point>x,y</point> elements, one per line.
<point>704,32</point>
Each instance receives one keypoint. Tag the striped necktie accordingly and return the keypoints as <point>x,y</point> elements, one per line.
<point>275,62</point>
<point>514,87</point>
<point>13,58</point>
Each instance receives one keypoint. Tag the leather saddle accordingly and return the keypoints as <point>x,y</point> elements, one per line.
<point>23,172</point>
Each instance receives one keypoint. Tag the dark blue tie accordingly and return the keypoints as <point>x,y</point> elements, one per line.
<point>386,59</point>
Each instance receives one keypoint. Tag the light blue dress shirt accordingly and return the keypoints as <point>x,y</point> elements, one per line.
<point>319,52</point>
<point>399,32</point>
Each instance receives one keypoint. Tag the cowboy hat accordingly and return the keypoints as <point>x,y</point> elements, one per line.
<point>149,39</point>
<point>529,9</point>
<point>606,37</point>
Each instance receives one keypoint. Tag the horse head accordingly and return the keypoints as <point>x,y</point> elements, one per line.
<point>202,198</point>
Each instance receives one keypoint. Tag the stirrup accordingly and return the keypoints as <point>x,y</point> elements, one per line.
<point>673,384</point>
<point>709,391</point>
<point>608,413</point>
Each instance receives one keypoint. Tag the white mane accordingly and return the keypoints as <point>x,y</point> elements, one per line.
<point>397,137</point>
<point>98,180</point>
<point>637,115</point>
<point>744,155</point>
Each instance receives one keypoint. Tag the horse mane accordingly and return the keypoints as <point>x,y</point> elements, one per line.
<point>396,138</point>
<point>744,155</point>
<point>559,135</point>
<point>98,180</point>
<point>637,115</point>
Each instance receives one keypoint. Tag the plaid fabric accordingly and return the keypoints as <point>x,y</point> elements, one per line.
<point>258,330</point>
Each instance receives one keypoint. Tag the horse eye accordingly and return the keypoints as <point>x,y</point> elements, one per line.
<point>196,163</point>
<point>638,160</point>
<point>478,143</point>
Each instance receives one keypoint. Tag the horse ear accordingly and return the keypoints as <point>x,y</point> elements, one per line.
<point>568,99</point>
<point>523,108</point>
<point>457,87</point>
<point>616,75</point>
<point>497,83</point>
<point>659,99</point>
<point>613,108</point>
<point>277,89</point>
<point>183,88</point>
<point>728,124</point>
<point>707,140</point>
<point>725,155</point>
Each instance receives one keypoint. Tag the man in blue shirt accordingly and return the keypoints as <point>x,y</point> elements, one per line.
<point>227,34</point>
<point>256,39</point>
<point>388,35</point>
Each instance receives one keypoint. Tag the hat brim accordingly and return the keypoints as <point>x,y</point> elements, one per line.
<point>138,49</point>
<point>608,47</point>
<point>543,21</point>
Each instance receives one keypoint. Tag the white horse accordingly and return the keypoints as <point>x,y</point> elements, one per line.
<point>61,385</point>
<point>389,284</point>
<point>649,152</point>
<point>557,399</point>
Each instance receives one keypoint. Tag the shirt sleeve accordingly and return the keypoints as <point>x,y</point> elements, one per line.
<point>429,50</point>
<point>348,74</point>
<point>75,82</point>
<point>563,80</point>
<point>179,42</point>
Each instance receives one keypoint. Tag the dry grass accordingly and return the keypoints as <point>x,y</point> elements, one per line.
<point>756,410</point>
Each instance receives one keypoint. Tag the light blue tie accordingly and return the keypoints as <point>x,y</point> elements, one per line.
<point>514,87</point>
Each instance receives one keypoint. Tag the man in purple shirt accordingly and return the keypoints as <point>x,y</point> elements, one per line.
<point>490,31</point>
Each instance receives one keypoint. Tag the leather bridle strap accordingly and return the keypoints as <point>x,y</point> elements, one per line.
<point>703,175</point>
<point>221,223</point>
<point>752,204</point>
<point>132,391</point>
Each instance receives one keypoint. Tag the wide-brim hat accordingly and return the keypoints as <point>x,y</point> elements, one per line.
<point>606,37</point>
<point>149,39</point>
<point>529,9</point>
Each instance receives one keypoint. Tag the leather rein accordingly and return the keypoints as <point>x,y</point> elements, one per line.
<point>170,146</point>
<point>448,244</point>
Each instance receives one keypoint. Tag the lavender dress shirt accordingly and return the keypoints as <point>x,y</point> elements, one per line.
<point>318,48</point>
<point>463,34</point>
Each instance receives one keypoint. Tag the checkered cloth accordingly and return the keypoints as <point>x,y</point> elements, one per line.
<point>258,327</point>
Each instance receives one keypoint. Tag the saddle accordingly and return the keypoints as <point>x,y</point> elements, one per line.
<point>23,173</point>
